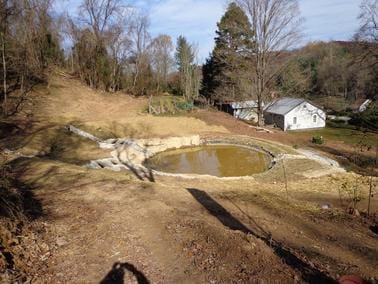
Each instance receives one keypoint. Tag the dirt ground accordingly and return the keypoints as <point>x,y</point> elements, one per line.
<point>110,227</point>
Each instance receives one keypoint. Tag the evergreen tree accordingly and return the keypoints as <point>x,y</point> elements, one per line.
<point>189,77</point>
<point>226,72</point>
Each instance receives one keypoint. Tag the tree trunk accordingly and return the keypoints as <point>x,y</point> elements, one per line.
<point>370,195</point>
<point>136,74</point>
<point>4,76</point>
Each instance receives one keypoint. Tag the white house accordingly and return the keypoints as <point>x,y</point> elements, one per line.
<point>294,114</point>
<point>246,110</point>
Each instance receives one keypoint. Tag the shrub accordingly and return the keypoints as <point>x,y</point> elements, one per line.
<point>368,118</point>
<point>318,140</point>
<point>167,105</point>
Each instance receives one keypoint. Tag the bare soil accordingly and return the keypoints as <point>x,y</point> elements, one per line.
<point>111,227</point>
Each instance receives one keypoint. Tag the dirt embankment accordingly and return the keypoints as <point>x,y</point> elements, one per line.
<point>110,226</point>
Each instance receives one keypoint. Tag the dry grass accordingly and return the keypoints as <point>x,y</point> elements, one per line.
<point>109,115</point>
<point>104,217</point>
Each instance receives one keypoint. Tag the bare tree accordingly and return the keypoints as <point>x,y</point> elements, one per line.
<point>367,34</point>
<point>100,42</point>
<point>29,43</point>
<point>141,40</point>
<point>276,24</point>
<point>162,48</point>
<point>120,50</point>
<point>99,14</point>
<point>5,11</point>
<point>368,17</point>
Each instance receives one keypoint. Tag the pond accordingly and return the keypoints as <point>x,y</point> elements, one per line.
<point>214,160</point>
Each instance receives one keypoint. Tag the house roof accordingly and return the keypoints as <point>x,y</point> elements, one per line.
<point>284,105</point>
<point>245,104</point>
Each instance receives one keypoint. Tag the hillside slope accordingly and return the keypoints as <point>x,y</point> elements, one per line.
<point>109,226</point>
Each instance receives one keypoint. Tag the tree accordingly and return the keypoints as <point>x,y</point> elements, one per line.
<point>29,44</point>
<point>99,36</point>
<point>368,17</point>
<point>276,26</point>
<point>294,80</point>
<point>189,75</point>
<point>4,18</point>
<point>226,72</point>
<point>140,53</point>
<point>100,15</point>
<point>119,50</point>
<point>367,38</point>
<point>162,48</point>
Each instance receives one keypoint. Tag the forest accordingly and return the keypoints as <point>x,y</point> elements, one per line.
<point>108,46</point>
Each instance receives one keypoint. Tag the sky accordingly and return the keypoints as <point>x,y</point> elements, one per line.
<point>324,20</point>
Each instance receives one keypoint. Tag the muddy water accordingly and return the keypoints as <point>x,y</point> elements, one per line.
<point>219,160</point>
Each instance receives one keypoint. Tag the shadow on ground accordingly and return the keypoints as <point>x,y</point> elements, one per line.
<point>309,273</point>
<point>17,198</point>
<point>117,274</point>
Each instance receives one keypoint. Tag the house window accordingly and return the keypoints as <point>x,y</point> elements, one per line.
<point>295,120</point>
<point>314,118</point>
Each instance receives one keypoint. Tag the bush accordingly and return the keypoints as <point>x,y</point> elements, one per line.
<point>169,105</point>
<point>186,106</point>
<point>318,140</point>
<point>337,124</point>
<point>367,119</point>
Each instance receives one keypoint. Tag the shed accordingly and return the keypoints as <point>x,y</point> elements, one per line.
<point>246,110</point>
<point>364,106</point>
<point>294,114</point>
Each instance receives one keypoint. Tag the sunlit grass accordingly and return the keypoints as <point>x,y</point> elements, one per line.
<point>348,136</point>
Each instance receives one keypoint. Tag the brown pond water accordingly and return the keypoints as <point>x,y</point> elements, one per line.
<point>215,160</point>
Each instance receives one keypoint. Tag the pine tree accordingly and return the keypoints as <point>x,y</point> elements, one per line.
<point>226,72</point>
<point>185,56</point>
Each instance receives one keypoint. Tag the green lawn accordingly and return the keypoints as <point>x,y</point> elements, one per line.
<point>348,136</point>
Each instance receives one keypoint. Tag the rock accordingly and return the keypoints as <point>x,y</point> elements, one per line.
<point>44,247</point>
<point>356,212</point>
<point>326,206</point>
<point>60,241</point>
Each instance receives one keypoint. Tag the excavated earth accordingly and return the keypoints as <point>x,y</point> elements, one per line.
<point>109,223</point>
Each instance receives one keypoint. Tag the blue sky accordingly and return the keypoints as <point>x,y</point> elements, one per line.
<point>196,19</point>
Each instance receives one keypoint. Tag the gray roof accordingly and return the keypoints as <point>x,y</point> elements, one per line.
<point>245,104</point>
<point>284,105</point>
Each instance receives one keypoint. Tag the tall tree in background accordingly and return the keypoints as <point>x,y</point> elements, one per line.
<point>29,44</point>
<point>189,75</point>
<point>99,27</point>
<point>5,10</point>
<point>141,57</point>
<point>365,62</point>
<point>368,17</point>
<point>367,38</point>
<point>276,26</point>
<point>227,71</point>
<point>162,48</point>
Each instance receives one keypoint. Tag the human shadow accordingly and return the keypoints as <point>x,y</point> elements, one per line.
<point>309,273</point>
<point>117,274</point>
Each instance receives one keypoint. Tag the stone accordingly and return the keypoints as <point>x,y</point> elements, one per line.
<point>60,241</point>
